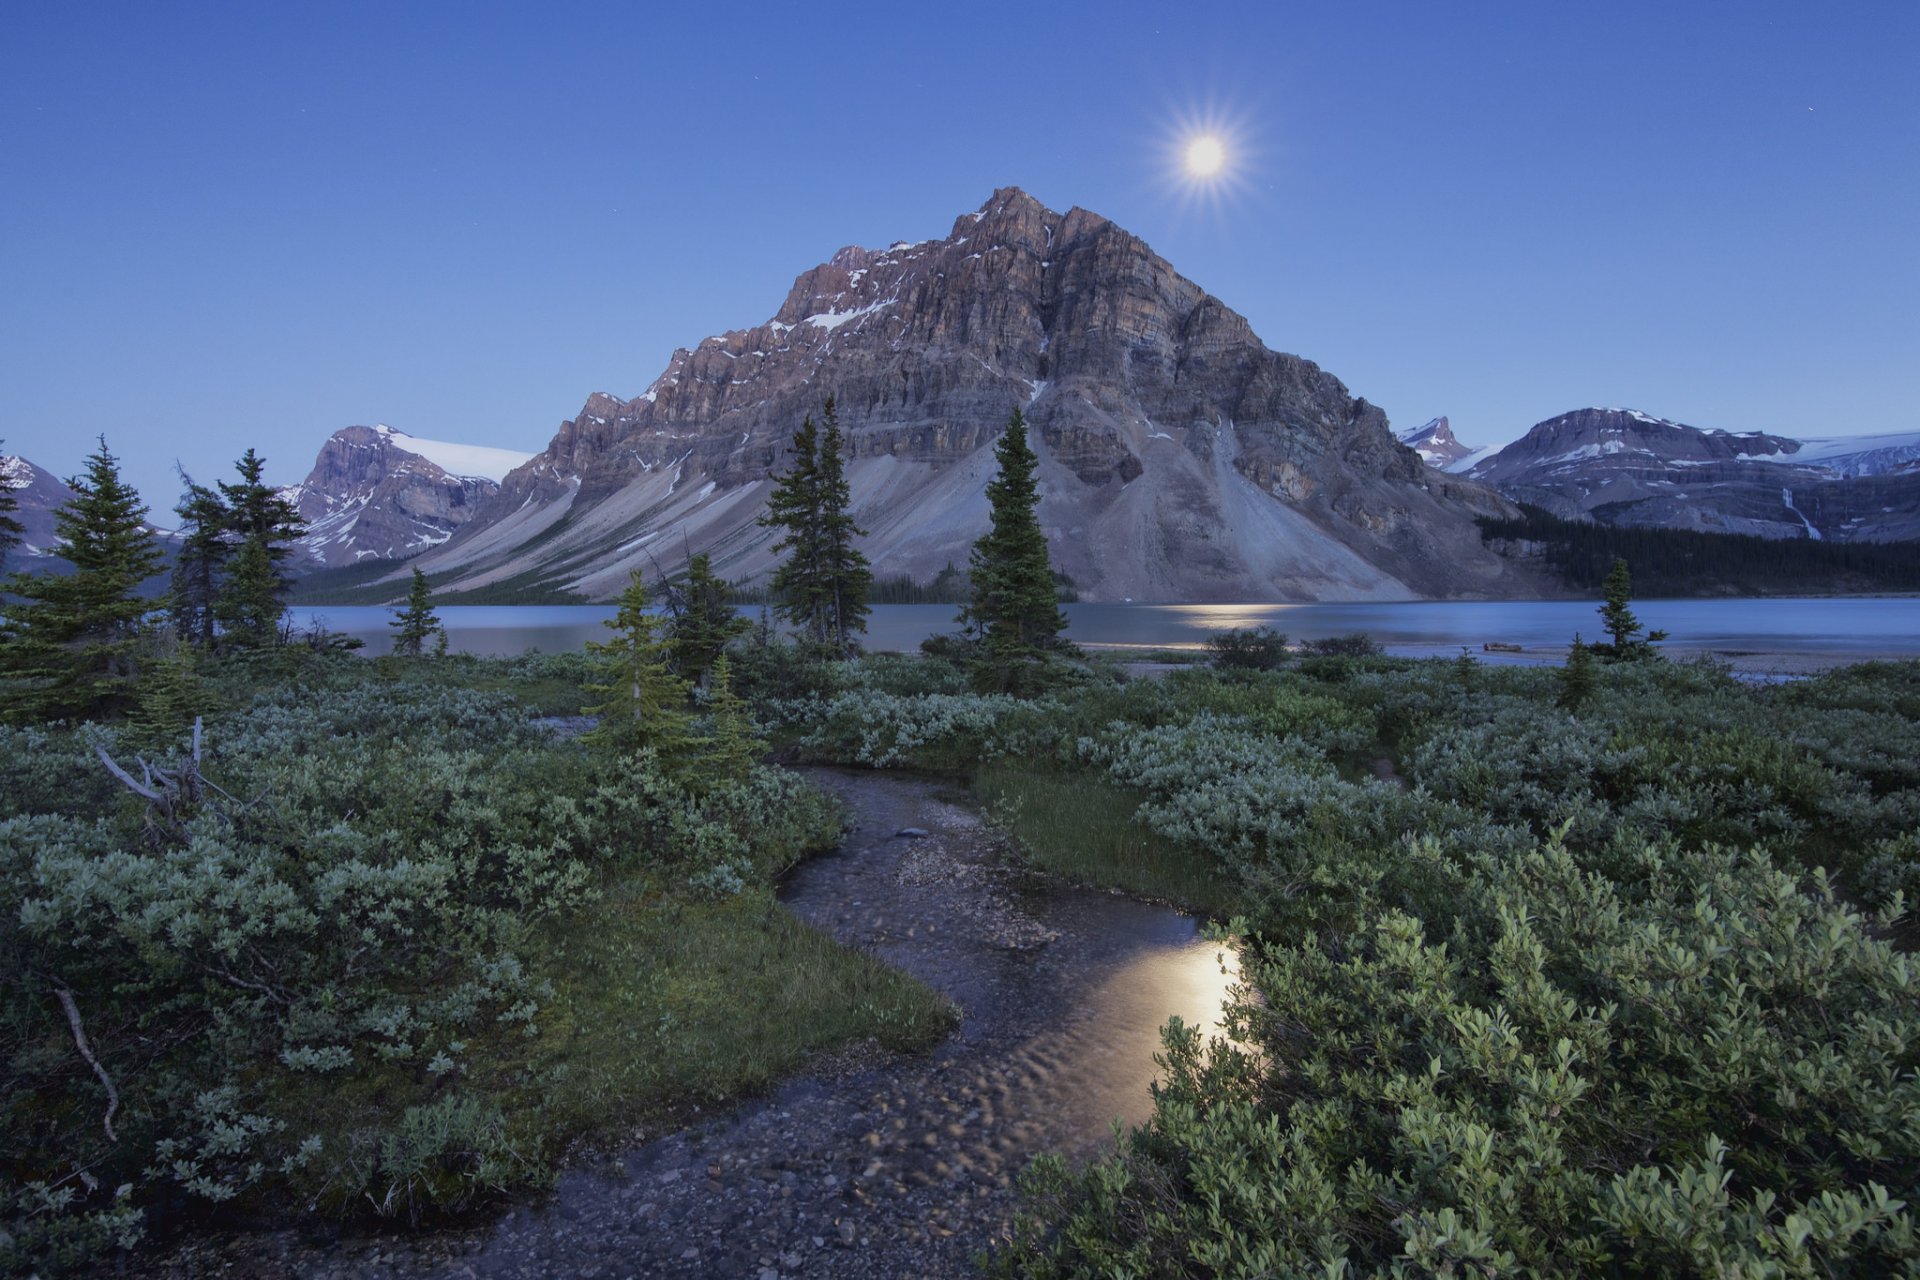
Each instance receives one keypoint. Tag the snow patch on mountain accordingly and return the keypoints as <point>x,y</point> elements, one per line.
<point>476,461</point>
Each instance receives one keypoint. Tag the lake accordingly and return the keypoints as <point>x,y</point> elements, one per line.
<point>1843,627</point>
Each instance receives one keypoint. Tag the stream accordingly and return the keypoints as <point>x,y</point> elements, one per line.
<point>870,1165</point>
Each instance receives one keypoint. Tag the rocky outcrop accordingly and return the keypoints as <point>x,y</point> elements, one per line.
<point>1180,459</point>
<point>376,493</point>
<point>1625,467</point>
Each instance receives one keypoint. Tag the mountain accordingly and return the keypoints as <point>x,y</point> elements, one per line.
<point>1628,468</point>
<point>1180,459</point>
<point>1435,444</point>
<point>37,494</point>
<point>377,493</point>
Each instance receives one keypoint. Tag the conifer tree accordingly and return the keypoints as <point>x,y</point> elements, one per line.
<point>171,694</point>
<point>732,746</point>
<point>705,624</point>
<point>416,624</point>
<point>1015,608</point>
<point>823,585</point>
<point>249,608</point>
<point>645,703</point>
<point>73,635</point>
<point>1576,678</point>
<point>1618,620</point>
<point>257,513</point>
<point>200,566</point>
<point>846,573</point>
<point>11,530</point>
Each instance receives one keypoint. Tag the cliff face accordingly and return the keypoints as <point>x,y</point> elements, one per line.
<point>1180,459</point>
<point>1624,467</point>
<point>374,493</point>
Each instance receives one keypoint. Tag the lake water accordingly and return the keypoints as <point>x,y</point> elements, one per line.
<point>1848,627</point>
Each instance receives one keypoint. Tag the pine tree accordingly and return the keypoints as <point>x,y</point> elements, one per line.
<point>74,635</point>
<point>732,746</point>
<point>1576,678</point>
<point>822,586</point>
<point>200,566</point>
<point>705,624</point>
<point>1015,609</point>
<point>847,575</point>
<point>1618,621</point>
<point>171,694</point>
<point>249,609</point>
<point>11,530</point>
<point>256,512</point>
<point>414,625</point>
<point>645,703</point>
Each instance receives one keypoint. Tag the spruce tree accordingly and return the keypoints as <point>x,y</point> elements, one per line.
<point>11,530</point>
<point>256,512</point>
<point>707,621</point>
<point>823,585</point>
<point>200,566</point>
<point>645,704</point>
<point>74,635</point>
<point>847,576</point>
<point>416,624</point>
<point>249,609</point>
<point>794,506</point>
<point>1576,678</point>
<point>732,746</point>
<point>1015,609</point>
<point>1618,620</point>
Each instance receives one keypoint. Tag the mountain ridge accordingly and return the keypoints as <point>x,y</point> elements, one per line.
<point>1180,458</point>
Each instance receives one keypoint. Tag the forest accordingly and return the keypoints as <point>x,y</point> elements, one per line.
<point>1681,562</point>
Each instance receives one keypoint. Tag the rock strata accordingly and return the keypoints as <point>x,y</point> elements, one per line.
<point>1180,459</point>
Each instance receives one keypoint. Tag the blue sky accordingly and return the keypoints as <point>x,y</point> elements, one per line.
<point>225,226</point>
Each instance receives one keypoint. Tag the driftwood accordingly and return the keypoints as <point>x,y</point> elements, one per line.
<point>86,1051</point>
<point>173,791</point>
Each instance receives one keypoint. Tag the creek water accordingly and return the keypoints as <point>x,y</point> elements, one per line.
<point>869,1168</point>
<point>1846,627</point>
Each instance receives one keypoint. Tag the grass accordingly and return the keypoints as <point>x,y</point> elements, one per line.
<point>660,1006</point>
<point>660,1002</point>
<point>1080,826</point>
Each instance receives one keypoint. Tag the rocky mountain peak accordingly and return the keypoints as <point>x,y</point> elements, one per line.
<point>1161,419</point>
<point>378,493</point>
<point>1437,446</point>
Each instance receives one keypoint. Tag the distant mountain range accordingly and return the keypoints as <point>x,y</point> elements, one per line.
<point>1630,469</point>
<point>1180,458</point>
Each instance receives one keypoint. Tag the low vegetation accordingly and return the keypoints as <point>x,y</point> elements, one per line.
<point>386,948</point>
<point>1625,987</point>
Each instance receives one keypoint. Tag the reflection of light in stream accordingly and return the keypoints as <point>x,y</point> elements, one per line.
<point>1097,1066</point>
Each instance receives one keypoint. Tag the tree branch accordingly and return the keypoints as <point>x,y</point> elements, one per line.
<point>80,1041</point>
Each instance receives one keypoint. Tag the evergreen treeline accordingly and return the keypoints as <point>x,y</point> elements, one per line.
<point>1680,562</point>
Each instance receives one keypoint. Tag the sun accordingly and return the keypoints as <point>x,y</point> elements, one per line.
<point>1205,156</point>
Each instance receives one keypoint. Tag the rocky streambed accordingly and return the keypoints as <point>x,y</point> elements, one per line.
<point>870,1165</point>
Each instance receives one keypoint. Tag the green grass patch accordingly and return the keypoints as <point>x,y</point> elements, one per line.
<point>665,1001</point>
<point>1081,827</point>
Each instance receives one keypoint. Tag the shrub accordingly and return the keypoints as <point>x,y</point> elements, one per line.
<point>1250,649</point>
